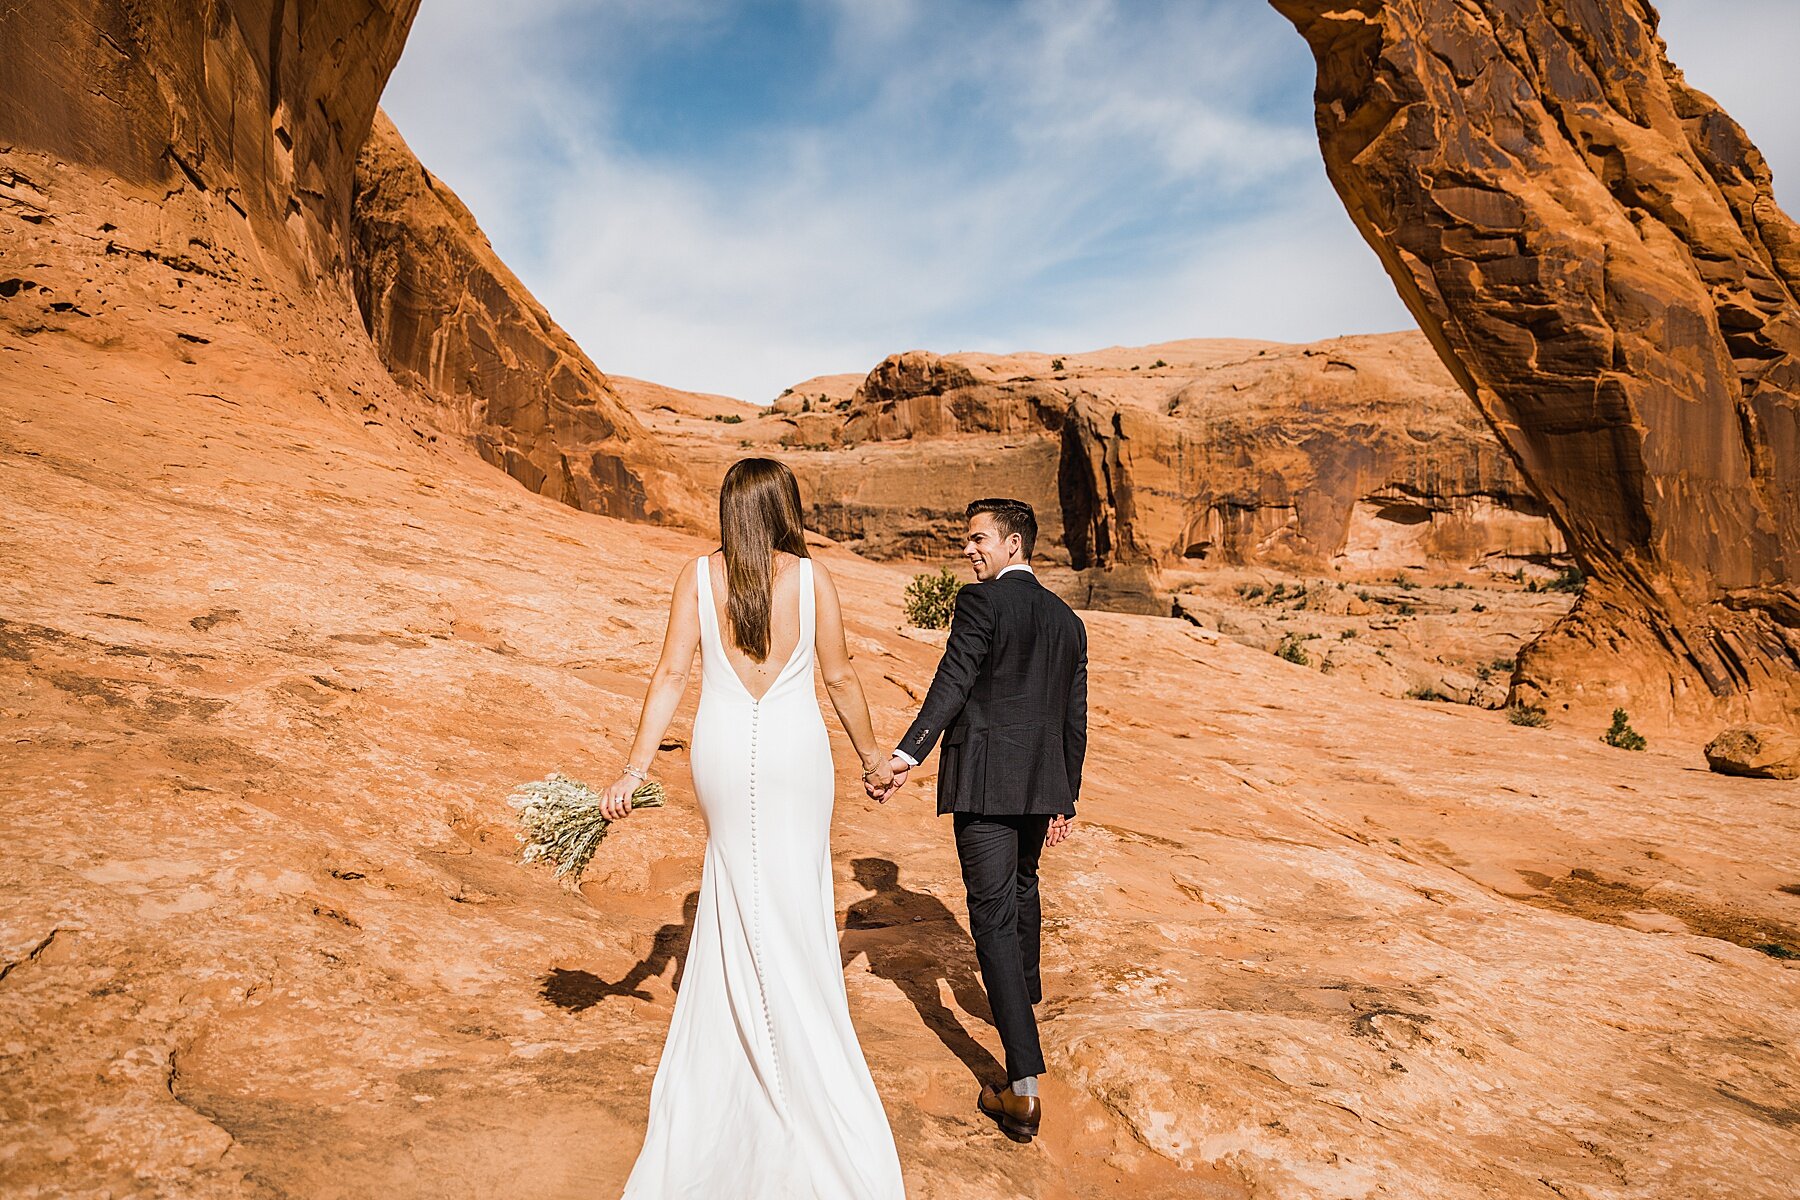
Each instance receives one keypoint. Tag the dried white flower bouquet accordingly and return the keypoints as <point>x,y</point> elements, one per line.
<point>562,823</point>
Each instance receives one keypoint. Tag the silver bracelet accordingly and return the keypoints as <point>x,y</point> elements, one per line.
<point>635,773</point>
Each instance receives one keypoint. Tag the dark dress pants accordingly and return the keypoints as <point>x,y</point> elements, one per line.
<point>999,858</point>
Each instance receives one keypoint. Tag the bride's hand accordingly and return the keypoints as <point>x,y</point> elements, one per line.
<point>615,801</point>
<point>879,782</point>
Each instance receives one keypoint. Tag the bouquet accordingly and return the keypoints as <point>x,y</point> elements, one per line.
<point>561,821</point>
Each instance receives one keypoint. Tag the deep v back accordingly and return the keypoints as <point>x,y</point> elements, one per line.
<point>713,636</point>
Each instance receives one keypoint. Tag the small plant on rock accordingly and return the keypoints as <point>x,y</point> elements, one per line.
<point>1056,364</point>
<point>1291,650</point>
<point>931,599</point>
<point>1523,714</point>
<point>1622,734</point>
<point>1570,579</point>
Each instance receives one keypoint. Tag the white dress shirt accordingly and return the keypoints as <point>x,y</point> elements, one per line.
<point>902,755</point>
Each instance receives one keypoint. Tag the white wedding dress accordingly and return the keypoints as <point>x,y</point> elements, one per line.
<point>762,1092</point>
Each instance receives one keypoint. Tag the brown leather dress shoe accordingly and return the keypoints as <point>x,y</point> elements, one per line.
<point>1017,1116</point>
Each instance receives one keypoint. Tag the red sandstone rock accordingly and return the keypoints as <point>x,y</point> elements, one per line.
<point>1595,250</point>
<point>1757,751</point>
<point>453,322</point>
<point>1358,453</point>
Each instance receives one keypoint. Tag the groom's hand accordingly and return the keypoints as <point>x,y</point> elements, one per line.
<point>1060,828</point>
<point>899,766</point>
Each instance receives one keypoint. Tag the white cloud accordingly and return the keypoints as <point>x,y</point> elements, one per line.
<point>1062,174</point>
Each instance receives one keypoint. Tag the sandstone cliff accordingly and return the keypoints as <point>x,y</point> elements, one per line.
<point>1595,250</point>
<point>1358,453</point>
<point>259,107</point>
<point>199,158</point>
<point>453,322</point>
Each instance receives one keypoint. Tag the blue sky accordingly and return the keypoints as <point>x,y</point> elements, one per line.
<point>732,197</point>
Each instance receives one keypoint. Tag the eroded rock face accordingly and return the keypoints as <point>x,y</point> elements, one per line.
<point>1755,751</point>
<point>1359,453</point>
<point>1595,250</point>
<point>451,321</point>
<point>262,106</point>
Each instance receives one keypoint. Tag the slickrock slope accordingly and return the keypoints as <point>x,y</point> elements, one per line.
<point>1595,250</point>
<point>1357,453</point>
<point>268,672</point>
<point>453,322</point>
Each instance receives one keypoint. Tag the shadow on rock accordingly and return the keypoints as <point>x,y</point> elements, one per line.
<point>914,941</point>
<point>575,990</point>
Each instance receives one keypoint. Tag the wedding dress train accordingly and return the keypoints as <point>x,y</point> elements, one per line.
<point>762,1092</point>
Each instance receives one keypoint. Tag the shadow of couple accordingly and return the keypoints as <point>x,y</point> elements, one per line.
<point>910,938</point>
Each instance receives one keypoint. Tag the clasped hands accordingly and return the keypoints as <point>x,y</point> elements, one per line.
<point>885,778</point>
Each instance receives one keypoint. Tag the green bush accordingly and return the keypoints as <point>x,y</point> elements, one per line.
<point>1427,692</point>
<point>728,418</point>
<point>1520,714</point>
<point>1291,650</point>
<point>1158,363</point>
<point>1622,734</point>
<point>1570,579</point>
<point>1056,364</point>
<point>931,599</point>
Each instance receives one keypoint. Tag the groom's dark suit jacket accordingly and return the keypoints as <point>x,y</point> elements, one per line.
<point>1010,701</point>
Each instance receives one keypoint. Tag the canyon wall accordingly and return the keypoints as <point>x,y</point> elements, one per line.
<point>1595,250</point>
<point>197,163</point>
<point>259,106</point>
<point>452,322</point>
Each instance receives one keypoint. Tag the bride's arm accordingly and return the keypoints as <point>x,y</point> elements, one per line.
<point>667,685</point>
<point>841,683</point>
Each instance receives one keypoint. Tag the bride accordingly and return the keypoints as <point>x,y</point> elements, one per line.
<point>762,1090</point>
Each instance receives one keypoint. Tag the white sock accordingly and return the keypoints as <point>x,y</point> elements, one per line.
<point>1025,1087</point>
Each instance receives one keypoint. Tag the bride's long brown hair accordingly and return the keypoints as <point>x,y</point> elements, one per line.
<point>759,514</point>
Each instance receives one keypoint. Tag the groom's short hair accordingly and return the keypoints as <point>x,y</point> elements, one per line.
<point>1012,516</point>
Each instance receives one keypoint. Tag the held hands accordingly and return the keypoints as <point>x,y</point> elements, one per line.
<point>1060,828</point>
<point>885,778</point>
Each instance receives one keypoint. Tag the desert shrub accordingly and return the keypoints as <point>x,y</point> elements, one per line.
<point>1158,363</point>
<point>1503,664</point>
<point>1250,591</point>
<point>1056,364</point>
<point>931,599</point>
<point>1522,714</point>
<point>1621,734</point>
<point>1405,609</point>
<point>787,391</point>
<point>1405,583</point>
<point>728,418</point>
<point>1425,691</point>
<point>1346,634</point>
<point>1291,650</point>
<point>1570,579</point>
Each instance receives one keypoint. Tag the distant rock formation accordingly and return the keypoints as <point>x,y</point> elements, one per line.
<point>1358,453</point>
<point>1595,250</point>
<point>453,322</point>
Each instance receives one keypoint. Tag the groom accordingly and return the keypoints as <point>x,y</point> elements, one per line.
<point>1010,701</point>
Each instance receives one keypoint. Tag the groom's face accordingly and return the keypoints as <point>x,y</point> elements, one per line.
<point>988,548</point>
